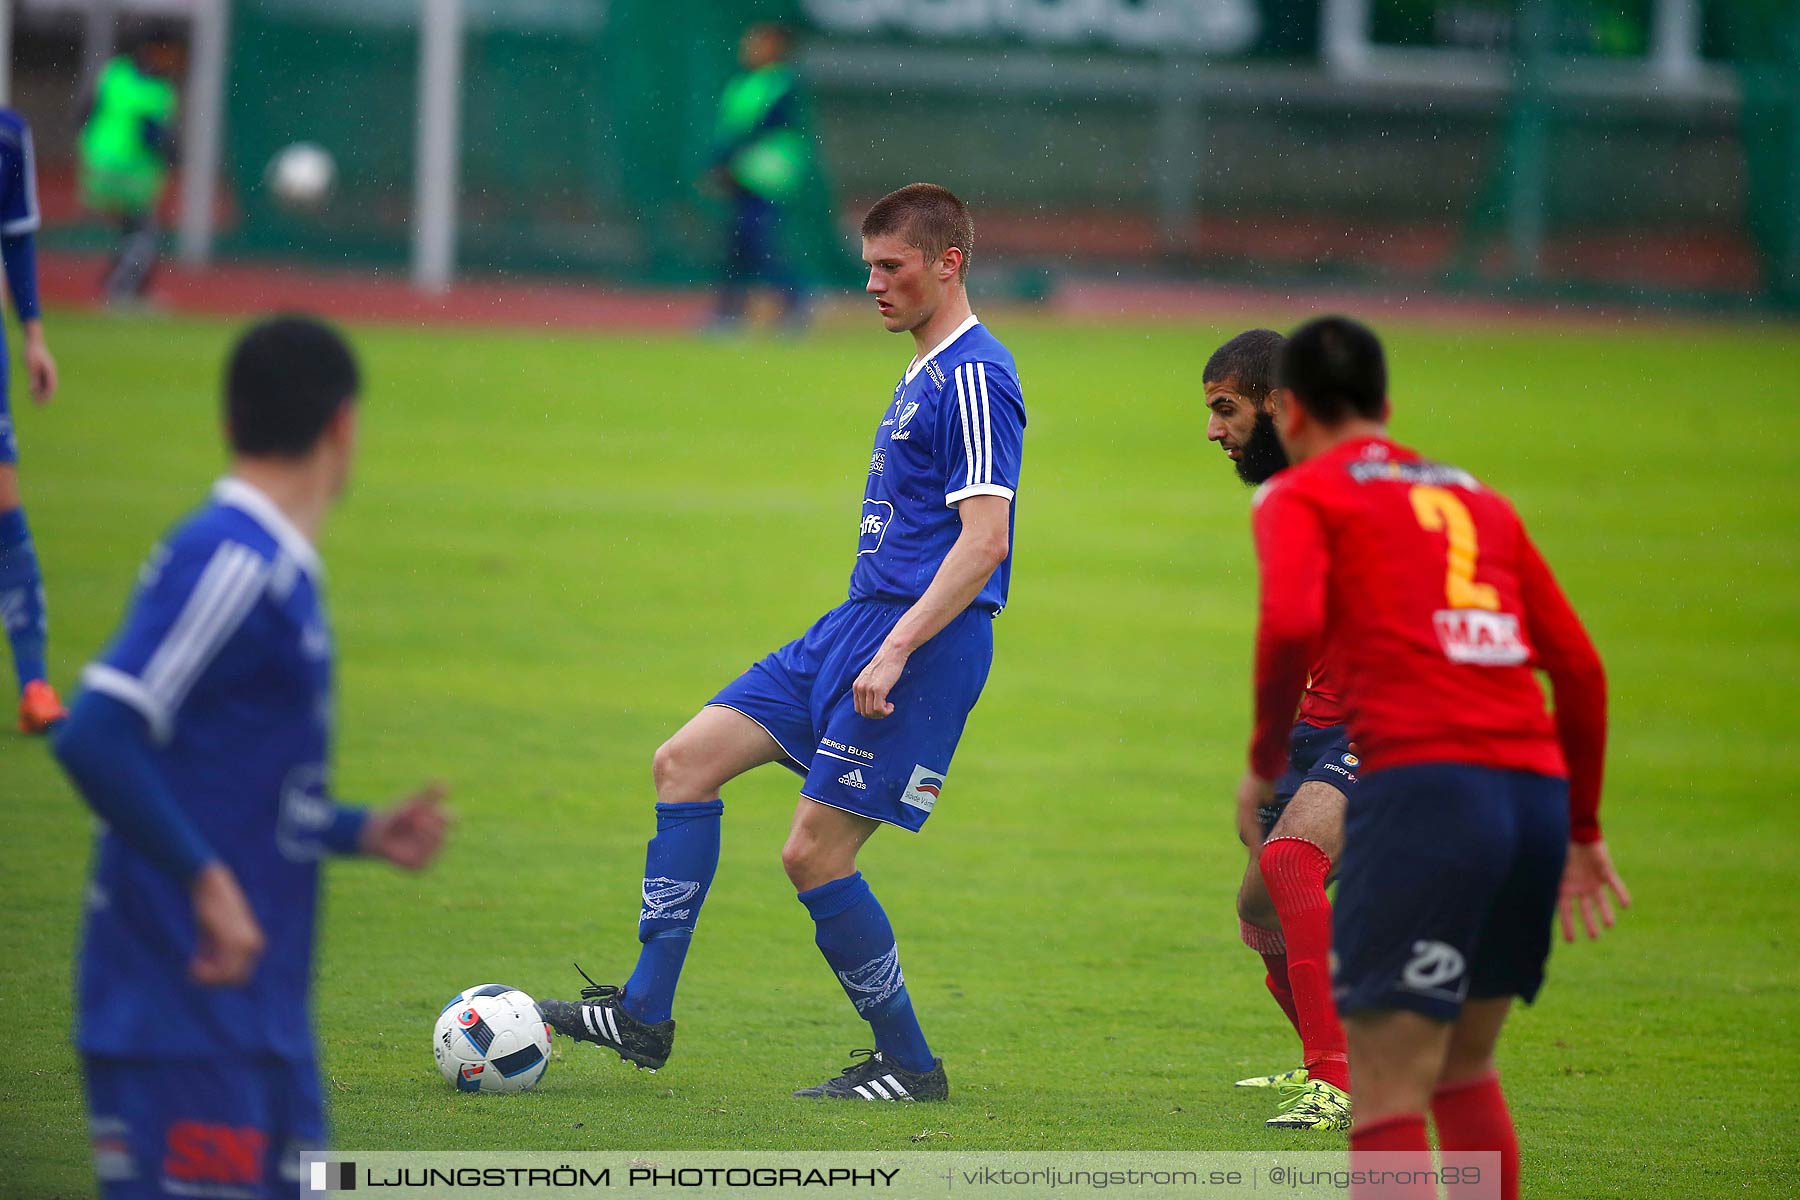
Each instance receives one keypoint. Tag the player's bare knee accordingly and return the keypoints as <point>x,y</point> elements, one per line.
<point>664,768</point>
<point>1469,1056</point>
<point>9,489</point>
<point>1470,1053</point>
<point>806,861</point>
<point>676,775</point>
<point>1465,1066</point>
<point>794,859</point>
<point>1254,905</point>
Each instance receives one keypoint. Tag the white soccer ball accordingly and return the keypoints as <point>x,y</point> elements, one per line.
<point>491,1038</point>
<point>302,176</point>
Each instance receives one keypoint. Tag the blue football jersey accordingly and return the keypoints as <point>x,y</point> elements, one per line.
<point>956,429</point>
<point>227,655</point>
<point>18,176</point>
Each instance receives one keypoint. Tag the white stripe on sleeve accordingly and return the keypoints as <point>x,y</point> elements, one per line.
<point>227,589</point>
<point>962,405</point>
<point>974,423</point>
<point>987,430</point>
<point>30,221</point>
<point>110,681</point>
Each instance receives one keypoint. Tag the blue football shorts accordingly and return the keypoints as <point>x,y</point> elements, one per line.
<point>226,1128</point>
<point>891,769</point>
<point>1316,754</point>
<point>1447,887</point>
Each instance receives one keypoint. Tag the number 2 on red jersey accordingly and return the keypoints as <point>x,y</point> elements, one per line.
<point>1470,628</point>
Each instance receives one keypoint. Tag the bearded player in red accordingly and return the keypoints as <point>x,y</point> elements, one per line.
<point>1474,807</point>
<point>1283,912</point>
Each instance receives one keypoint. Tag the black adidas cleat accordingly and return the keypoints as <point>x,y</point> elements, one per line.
<point>871,1077</point>
<point>600,1018</point>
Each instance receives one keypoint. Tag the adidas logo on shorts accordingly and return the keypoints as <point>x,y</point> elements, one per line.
<point>853,778</point>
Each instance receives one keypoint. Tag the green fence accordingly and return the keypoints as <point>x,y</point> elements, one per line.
<point>1211,142</point>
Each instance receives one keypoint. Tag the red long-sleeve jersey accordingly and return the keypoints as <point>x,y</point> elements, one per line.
<point>1322,703</point>
<point>1437,608</point>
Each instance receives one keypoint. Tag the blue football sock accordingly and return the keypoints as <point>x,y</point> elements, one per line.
<point>678,871</point>
<point>857,941</point>
<point>22,597</point>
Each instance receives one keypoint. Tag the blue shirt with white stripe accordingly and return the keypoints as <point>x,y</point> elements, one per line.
<point>18,176</point>
<point>227,655</point>
<point>956,429</point>
<point>19,219</point>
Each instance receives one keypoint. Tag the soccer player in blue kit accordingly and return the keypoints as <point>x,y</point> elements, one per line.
<point>21,584</point>
<point>202,740</point>
<point>866,706</point>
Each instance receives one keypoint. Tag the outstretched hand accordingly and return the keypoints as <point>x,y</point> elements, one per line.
<point>409,833</point>
<point>1587,877</point>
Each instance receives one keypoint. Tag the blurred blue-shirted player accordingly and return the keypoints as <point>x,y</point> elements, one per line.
<point>867,706</point>
<point>21,583</point>
<point>202,740</point>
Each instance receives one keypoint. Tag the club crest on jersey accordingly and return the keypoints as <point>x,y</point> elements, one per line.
<point>662,894</point>
<point>306,813</point>
<point>923,789</point>
<point>875,982</point>
<point>1350,760</point>
<point>1480,638</point>
<point>875,517</point>
<point>901,432</point>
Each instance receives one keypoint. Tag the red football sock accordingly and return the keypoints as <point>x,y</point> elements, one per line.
<point>1268,943</point>
<point>1472,1115</point>
<point>1277,983</point>
<point>1294,870</point>
<point>1400,1132</point>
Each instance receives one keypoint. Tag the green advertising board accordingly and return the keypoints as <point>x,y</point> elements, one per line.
<point>1213,28</point>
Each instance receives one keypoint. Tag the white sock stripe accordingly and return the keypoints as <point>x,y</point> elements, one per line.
<point>895,1084</point>
<point>879,1090</point>
<point>968,440</point>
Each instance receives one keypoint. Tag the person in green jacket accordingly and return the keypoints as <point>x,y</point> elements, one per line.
<point>126,147</point>
<point>762,157</point>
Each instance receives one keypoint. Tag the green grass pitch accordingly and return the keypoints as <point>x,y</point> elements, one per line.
<point>557,547</point>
